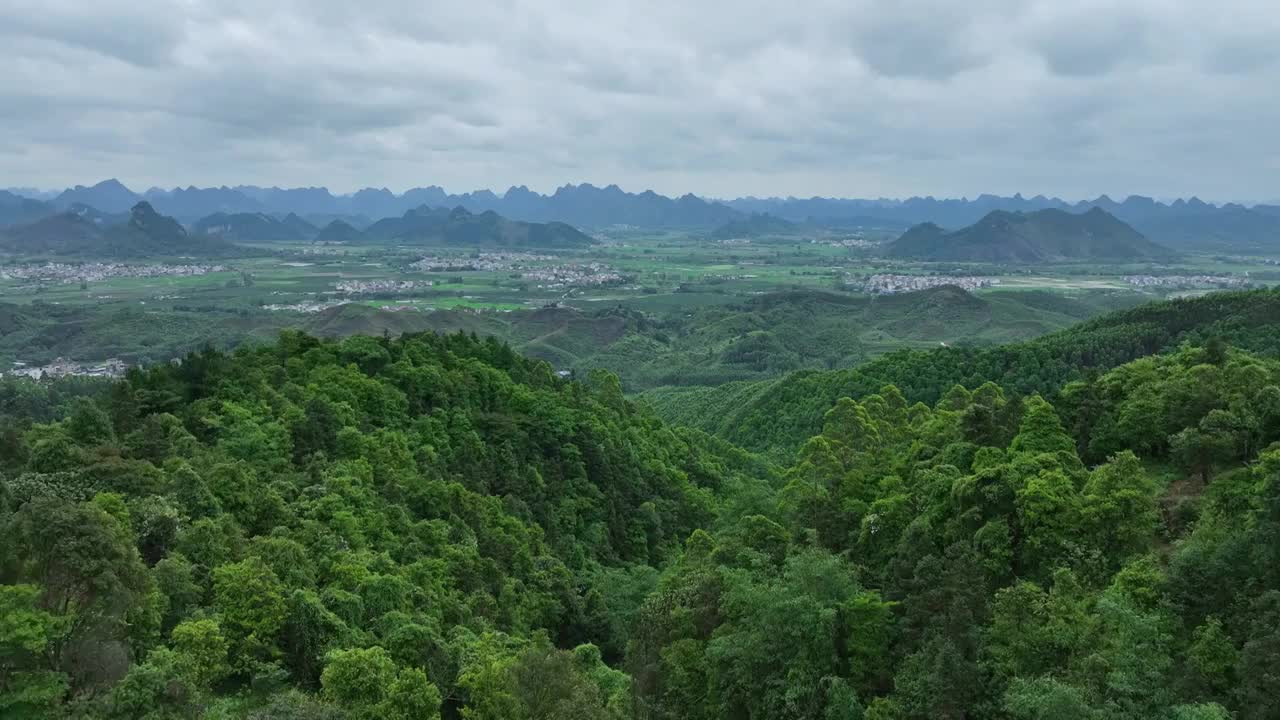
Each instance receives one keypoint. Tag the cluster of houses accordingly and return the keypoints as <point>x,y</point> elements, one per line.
<point>306,306</point>
<point>490,262</point>
<point>574,275</point>
<point>90,272</point>
<point>1187,281</point>
<point>364,287</point>
<point>62,367</point>
<point>889,284</point>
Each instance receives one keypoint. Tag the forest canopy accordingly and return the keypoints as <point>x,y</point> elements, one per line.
<point>435,526</point>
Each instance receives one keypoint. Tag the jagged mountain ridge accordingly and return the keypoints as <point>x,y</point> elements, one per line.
<point>1179,224</point>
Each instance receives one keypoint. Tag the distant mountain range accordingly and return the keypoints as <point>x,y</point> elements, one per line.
<point>1036,237</point>
<point>583,205</point>
<point>1182,224</point>
<point>84,232</point>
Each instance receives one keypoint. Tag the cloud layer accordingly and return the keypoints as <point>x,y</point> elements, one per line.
<point>830,97</point>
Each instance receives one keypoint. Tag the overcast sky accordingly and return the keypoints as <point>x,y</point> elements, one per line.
<point>840,98</point>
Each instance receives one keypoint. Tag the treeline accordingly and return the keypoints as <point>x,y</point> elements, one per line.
<point>775,416</point>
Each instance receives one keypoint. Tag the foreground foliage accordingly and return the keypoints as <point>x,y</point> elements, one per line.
<point>437,527</point>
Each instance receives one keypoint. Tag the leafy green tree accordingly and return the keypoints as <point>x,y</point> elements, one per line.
<point>201,652</point>
<point>367,684</point>
<point>1046,698</point>
<point>28,688</point>
<point>250,601</point>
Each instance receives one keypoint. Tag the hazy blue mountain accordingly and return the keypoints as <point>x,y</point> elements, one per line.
<point>1186,224</point>
<point>377,203</point>
<point>754,226</point>
<point>86,233</point>
<point>1228,228</point>
<point>303,201</point>
<point>1190,223</point>
<point>339,232</point>
<point>66,233</point>
<point>461,227</point>
<point>108,196</point>
<point>1040,236</point>
<point>252,227</point>
<point>17,209</point>
<point>32,193</point>
<point>191,203</point>
<point>359,222</point>
<point>303,229</point>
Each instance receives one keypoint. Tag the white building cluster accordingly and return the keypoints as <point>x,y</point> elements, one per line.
<point>489,262</point>
<point>364,287</point>
<point>574,275</point>
<point>304,307</point>
<point>92,272</point>
<point>890,284</point>
<point>62,367</point>
<point>1186,281</point>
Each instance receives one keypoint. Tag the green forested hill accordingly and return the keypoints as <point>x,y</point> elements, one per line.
<point>317,514</point>
<point>776,415</point>
<point>961,561</point>
<point>760,338</point>
<point>435,527</point>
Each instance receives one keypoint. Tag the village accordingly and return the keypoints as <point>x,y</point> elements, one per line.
<point>890,284</point>
<point>1187,281</point>
<point>366,287</point>
<point>485,262</point>
<point>573,275</point>
<point>62,367</point>
<point>92,272</point>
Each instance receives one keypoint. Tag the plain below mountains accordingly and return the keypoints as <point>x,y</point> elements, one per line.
<point>1044,236</point>
<point>84,232</point>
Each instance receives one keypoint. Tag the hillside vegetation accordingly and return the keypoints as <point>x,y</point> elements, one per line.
<point>435,527</point>
<point>775,416</point>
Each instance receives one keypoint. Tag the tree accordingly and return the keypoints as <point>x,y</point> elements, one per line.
<point>28,688</point>
<point>1041,430</point>
<point>89,572</point>
<point>201,652</point>
<point>1119,509</point>
<point>1198,450</point>
<point>250,601</point>
<point>1046,698</point>
<point>366,682</point>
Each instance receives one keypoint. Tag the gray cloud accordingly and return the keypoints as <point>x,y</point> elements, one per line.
<point>832,97</point>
